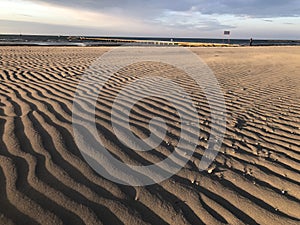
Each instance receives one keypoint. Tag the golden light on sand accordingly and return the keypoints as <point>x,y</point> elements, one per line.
<point>253,180</point>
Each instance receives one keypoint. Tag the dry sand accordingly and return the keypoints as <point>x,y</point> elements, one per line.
<point>254,180</point>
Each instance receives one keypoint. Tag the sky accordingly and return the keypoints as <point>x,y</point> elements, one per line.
<point>261,19</point>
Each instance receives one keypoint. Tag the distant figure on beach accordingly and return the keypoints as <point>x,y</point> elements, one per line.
<point>251,42</point>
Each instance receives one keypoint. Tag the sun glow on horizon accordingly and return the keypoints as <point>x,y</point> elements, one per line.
<point>27,11</point>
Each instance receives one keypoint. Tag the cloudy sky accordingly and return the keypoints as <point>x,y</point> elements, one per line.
<point>274,19</point>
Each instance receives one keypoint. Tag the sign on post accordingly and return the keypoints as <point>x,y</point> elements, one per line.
<point>227,32</point>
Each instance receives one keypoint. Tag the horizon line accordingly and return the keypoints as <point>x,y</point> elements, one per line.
<point>138,36</point>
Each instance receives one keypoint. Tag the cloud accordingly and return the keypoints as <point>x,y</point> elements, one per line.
<point>186,18</point>
<point>51,14</point>
<point>251,8</point>
<point>21,27</point>
<point>153,8</point>
<point>25,27</point>
<point>191,20</point>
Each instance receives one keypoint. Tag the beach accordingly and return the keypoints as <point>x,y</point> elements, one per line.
<point>44,179</point>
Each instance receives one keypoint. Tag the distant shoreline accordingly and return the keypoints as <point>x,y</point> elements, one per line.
<point>43,40</point>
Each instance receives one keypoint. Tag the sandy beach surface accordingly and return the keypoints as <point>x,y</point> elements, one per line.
<point>255,178</point>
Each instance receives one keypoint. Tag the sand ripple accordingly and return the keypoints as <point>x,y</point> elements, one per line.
<point>254,180</point>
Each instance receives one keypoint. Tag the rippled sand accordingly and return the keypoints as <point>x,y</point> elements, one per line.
<point>254,179</point>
